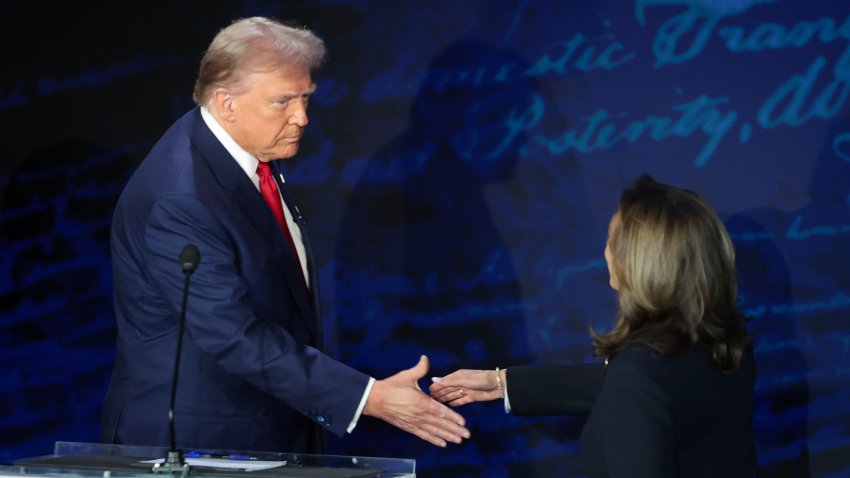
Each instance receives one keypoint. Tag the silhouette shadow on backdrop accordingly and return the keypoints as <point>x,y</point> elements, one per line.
<point>422,266</point>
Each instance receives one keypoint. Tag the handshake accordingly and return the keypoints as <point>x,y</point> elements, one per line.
<point>399,401</point>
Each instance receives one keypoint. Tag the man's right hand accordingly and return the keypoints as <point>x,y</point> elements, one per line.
<point>399,401</point>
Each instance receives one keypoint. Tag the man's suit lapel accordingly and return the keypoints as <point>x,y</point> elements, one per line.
<point>249,202</point>
<point>299,218</point>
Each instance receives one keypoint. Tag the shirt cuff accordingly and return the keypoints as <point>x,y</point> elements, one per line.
<point>360,407</point>
<point>507,400</point>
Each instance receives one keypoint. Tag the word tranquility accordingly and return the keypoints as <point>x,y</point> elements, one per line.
<point>804,96</point>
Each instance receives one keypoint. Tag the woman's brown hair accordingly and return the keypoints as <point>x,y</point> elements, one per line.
<point>675,268</point>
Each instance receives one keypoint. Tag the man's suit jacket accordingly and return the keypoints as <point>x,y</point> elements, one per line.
<point>651,415</point>
<point>251,375</point>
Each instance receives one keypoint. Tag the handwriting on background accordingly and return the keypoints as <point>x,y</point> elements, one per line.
<point>796,231</point>
<point>579,53</point>
<point>801,102</point>
<point>684,36</point>
<point>702,115</point>
<point>837,301</point>
<point>839,143</point>
<point>806,95</point>
<point>567,270</point>
<point>48,86</point>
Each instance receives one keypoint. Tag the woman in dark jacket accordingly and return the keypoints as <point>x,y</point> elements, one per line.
<point>674,395</point>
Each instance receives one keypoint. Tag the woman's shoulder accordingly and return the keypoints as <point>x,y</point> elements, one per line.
<point>636,358</point>
<point>642,357</point>
<point>635,373</point>
<point>638,352</point>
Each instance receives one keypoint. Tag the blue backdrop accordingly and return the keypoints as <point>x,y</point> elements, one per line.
<point>461,165</point>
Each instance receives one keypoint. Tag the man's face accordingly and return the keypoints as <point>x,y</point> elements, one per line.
<point>270,116</point>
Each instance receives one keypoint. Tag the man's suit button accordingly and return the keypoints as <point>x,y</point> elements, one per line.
<point>320,419</point>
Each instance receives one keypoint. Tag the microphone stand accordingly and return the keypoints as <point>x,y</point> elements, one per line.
<point>174,462</point>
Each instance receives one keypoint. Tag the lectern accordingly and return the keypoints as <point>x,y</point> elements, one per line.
<point>97,460</point>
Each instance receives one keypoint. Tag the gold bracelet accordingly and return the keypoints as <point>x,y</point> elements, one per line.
<point>499,383</point>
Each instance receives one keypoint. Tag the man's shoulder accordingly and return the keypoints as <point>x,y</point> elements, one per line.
<point>166,169</point>
<point>178,134</point>
<point>169,156</point>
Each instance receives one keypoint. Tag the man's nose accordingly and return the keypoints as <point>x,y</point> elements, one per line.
<point>299,113</point>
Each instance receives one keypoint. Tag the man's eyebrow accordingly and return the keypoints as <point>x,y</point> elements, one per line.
<point>306,92</point>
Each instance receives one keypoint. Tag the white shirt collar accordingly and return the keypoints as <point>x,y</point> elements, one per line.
<point>243,158</point>
<point>248,163</point>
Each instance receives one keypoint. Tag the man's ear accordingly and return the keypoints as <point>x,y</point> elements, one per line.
<point>224,104</point>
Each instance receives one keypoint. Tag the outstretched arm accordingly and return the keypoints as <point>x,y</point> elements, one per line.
<point>399,401</point>
<point>531,390</point>
<point>467,386</point>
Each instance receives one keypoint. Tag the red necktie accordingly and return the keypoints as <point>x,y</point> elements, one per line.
<point>268,188</point>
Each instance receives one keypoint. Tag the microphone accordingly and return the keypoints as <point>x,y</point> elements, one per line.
<point>189,257</point>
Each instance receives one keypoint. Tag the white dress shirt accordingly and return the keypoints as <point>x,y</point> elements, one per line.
<point>248,163</point>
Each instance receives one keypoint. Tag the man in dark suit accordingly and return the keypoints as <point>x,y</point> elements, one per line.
<point>252,375</point>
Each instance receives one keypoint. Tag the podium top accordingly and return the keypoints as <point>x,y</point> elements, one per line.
<point>90,460</point>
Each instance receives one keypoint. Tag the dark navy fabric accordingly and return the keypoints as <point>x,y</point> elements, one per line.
<point>251,377</point>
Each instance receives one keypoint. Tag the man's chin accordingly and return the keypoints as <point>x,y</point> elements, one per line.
<point>285,153</point>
